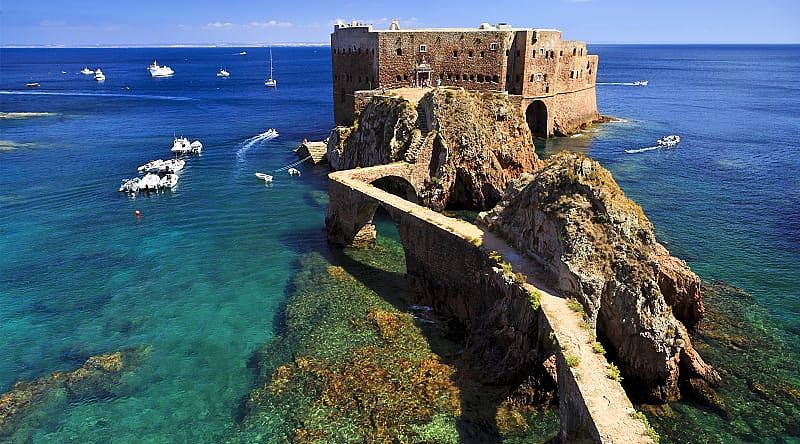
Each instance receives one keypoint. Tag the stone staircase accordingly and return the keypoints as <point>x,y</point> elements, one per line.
<point>416,146</point>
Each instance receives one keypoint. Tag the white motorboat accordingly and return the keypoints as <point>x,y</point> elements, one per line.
<point>270,133</point>
<point>130,185</point>
<point>33,85</point>
<point>293,172</point>
<point>159,71</point>
<point>174,166</point>
<point>641,83</point>
<point>270,82</point>
<point>196,147</point>
<point>223,73</point>
<point>265,177</point>
<point>669,141</point>
<point>86,71</point>
<point>154,166</point>
<point>99,76</point>
<point>243,53</point>
<point>181,145</point>
<point>150,182</point>
<point>168,181</point>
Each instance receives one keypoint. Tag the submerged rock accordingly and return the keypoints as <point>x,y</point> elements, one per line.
<point>600,248</point>
<point>98,378</point>
<point>467,146</point>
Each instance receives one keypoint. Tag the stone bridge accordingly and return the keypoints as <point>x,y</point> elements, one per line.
<point>512,324</point>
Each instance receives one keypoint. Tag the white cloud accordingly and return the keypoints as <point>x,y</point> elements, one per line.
<point>251,25</point>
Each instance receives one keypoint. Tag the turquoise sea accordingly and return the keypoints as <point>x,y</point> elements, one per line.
<point>200,279</point>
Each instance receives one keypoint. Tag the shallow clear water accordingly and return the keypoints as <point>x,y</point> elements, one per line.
<point>201,277</point>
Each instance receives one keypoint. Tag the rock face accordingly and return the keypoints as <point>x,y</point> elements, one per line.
<point>466,146</point>
<point>572,217</point>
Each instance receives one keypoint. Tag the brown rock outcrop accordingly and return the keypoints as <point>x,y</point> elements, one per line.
<point>466,146</point>
<point>572,217</point>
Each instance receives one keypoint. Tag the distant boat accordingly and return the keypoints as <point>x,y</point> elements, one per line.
<point>243,53</point>
<point>293,172</point>
<point>33,85</point>
<point>129,185</point>
<point>181,145</point>
<point>87,71</point>
<point>196,147</point>
<point>270,82</point>
<point>150,182</point>
<point>159,71</point>
<point>265,177</point>
<point>641,83</point>
<point>99,76</point>
<point>168,181</point>
<point>63,72</point>
<point>669,141</point>
<point>223,73</point>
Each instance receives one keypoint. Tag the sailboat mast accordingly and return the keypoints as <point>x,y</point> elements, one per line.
<point>270,62</point>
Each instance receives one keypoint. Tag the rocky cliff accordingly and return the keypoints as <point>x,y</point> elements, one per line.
<point>466,146</point>
<point>600,248</point>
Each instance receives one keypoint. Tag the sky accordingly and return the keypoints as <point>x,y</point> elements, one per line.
<point>167,22</point>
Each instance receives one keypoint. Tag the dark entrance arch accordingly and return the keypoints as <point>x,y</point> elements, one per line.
<point>397,186</point>
<point>536,116</point>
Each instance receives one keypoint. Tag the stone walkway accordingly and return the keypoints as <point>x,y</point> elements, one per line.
<point>599,397</point>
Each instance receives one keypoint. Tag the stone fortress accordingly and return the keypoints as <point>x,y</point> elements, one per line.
<point>552,80</point>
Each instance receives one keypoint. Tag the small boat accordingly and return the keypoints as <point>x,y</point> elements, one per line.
<point>154,166</point>
<point>63,72</point>
<point>130,185</point>
<point>271,133</point>
<point>86,71</point>
<point>168,181</point>
<point>174,166</point>
<point>293,172</point>
<point>150,182</point>
<point>181,145</point>
<point>641,83</point>
<point>196,147</point>
<point>159,71</point>
<point>669,141</point>
<point>223,73</point>
<point>265,177</point>
<point>33,85</point>
<point>243,53</point>
<point>99,76</point>
<point>270,82</point>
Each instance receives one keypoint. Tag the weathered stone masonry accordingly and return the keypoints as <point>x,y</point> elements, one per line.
<point>551,79</point>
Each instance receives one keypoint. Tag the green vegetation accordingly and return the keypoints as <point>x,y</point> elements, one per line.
<point>614,373</point>
<point>598,348</point>
<point>572,360</point>
<point>476,241</point>
<point>520,278</point>
<point>575,306</point>
<point>648,429</point>
<point>536,301</point>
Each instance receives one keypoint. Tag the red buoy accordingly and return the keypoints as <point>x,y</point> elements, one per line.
<point>138,214</point>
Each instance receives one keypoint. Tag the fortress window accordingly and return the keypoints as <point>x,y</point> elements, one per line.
<point>544,77</point>
<point>588,64</point>
<point>574,51</point>
<point>517,53</point>
<point>480,78</point>
<point>399,51</point>
<point>531,80</point>
<point>483,54</point>
<point>492,46</point>
<point>373,51</point>
<point>405,77</point>
<point>572,74</point>
<point>471,77</point>
<point>399,78</point>
<point>496,79</point>
<point>470,54</point>
<point>552,54</point>
<point>546,89</point>
<point>423,48</point>
<point>455,54</point>
<point>581,51</point>
<point>359,50</point>
<point>561,53</point>
<point>541,51</point>
<point>534,53</point>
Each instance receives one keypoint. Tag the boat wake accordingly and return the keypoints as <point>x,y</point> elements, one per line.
<point>4,115</point>
<point>255,140</point>
<point>643,150</point>
<point>84,94</point>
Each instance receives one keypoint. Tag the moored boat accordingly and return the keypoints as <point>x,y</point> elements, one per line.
<point>154,166</point>
<point>641,83</point>
<point>669,141</point>
<point>130,185</point>
<point>150,182</point>
<point>264,176</point>
<point>159,71</point>
<point>86,71</point>
<point>168,181</point>
<point>196,147</point>
<point>99,76</point>
<point>223,73</point>
<point>174,165</point>
<point>181,145</point>
<point>270,82</point>
<point>293,172</point>
<point>33,85</point>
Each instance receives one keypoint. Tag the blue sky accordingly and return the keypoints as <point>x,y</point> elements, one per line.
<point>160,22</point>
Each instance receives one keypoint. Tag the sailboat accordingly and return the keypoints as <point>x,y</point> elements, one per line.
<point>270,82</point>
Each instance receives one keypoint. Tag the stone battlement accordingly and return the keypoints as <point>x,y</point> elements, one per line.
<point>554,79</point>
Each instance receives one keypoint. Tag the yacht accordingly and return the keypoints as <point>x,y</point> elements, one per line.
<point>270,82</point>
<point>168,181</point>
<point>86,71</point>
<point>293,172</point>
<point>150,182</point>
<point>223,73</point>
<point>99,76</point>
<point>181,146</point>
<point>196,147</point>
<point>669,141</point>
<point>159,71</point>
<point>154,166</point>
<point>265,177</point>
<point>641,83</point>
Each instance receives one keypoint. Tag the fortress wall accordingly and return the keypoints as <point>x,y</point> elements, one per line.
<point>355,67</point>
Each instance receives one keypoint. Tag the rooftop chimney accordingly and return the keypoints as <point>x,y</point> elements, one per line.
<point>395,26</point>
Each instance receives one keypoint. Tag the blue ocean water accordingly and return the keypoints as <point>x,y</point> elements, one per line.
<point>199,280</point>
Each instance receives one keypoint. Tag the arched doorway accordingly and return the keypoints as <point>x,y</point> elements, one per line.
<point>397,186</point>
<point>536,116</point>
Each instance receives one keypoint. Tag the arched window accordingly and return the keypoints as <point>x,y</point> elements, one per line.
<point>574,51</point>
<point>470,54</point>
<point>399,51</point>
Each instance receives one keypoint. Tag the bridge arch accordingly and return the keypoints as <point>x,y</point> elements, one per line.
<point>537,117</point>
<point>399,186</point>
